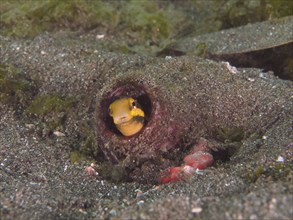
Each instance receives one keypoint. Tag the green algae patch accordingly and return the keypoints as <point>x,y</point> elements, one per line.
<point>52,109</point>
<point>86,148</point>
<point>45,104</point>
<point>228,134</point>
<point>115,173</point>
<point>144,27</point>
<point>30,18</point>
<point>76,157</point>
<point>275,171</point>
<point>253,175</point>
<point>149,28</point>
<point>237,12</point>
<point>15,87</point>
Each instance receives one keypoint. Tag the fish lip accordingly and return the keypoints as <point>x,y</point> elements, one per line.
<point>125,122</point>
<point>121,120</point>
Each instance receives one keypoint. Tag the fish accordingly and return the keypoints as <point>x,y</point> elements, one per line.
<point>127,116</point>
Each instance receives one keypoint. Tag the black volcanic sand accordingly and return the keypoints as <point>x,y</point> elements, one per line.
<point>38,178</point>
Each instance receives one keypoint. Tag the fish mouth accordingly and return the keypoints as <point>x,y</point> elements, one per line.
<point>124,122</point>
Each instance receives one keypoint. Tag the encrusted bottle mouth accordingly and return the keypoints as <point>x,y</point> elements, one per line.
<point>128,89</point>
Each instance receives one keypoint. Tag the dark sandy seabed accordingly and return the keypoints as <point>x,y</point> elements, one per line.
<point>38,179</point>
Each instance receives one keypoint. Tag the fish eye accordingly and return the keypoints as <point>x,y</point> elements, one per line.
<point>134,104</point>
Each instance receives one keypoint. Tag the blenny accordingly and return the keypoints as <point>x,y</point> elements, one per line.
<point>127,116</point>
